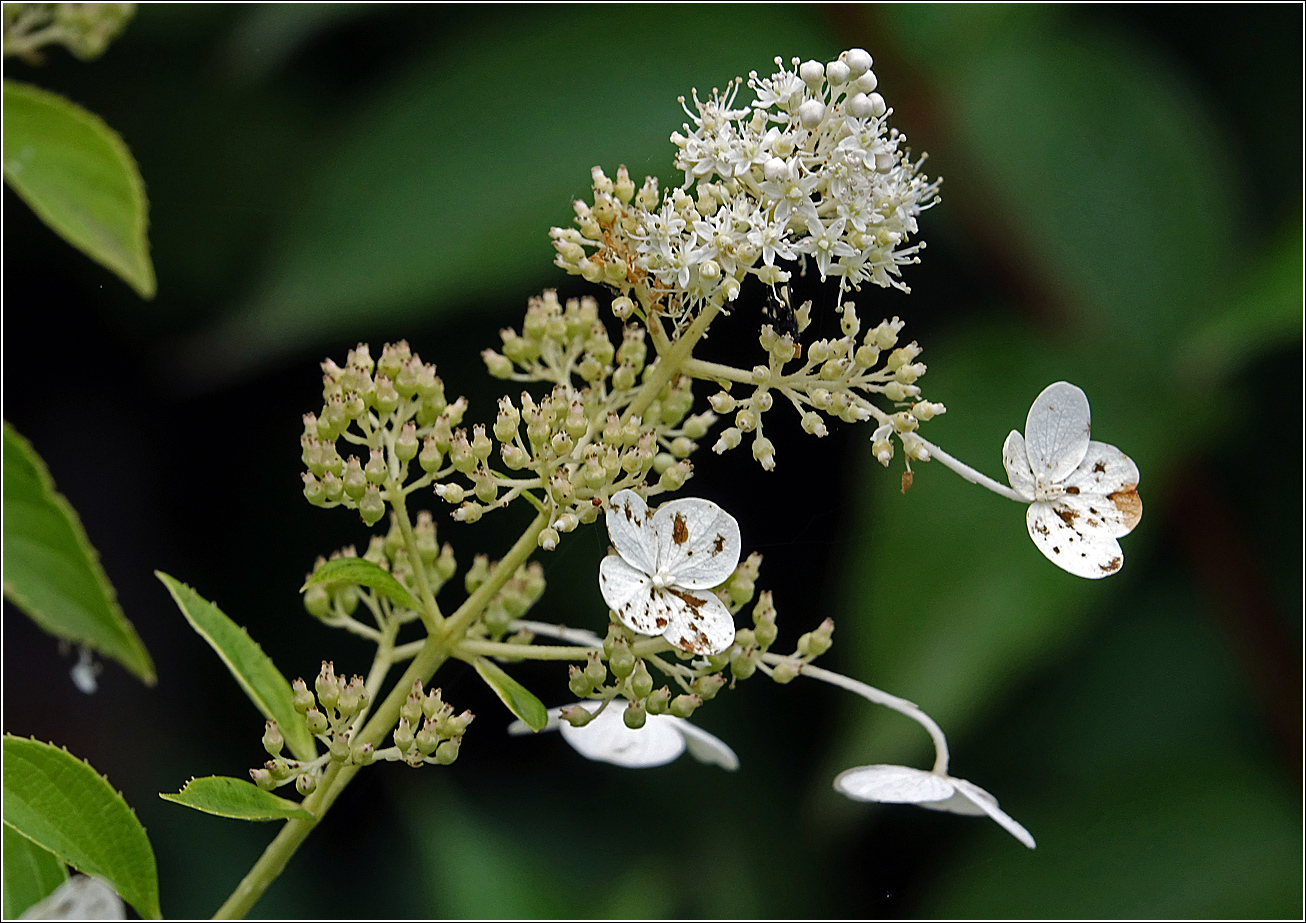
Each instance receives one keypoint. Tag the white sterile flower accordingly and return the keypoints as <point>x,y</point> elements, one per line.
<point>934,790</point>
<point>1082,495</point>
<point>667,561</point>
<point>662,739</point>
<point>81,897</point>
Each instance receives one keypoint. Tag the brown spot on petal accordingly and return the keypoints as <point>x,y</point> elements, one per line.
<point>1073,491</point>
<point>1099,468</point>
<point>679,531</point>
<point>718,544</point>
<point>1067,515</point>
<point>693,602</point>
<point>1129,504</point>
<point>1110,567</point>
<point>661,622</point>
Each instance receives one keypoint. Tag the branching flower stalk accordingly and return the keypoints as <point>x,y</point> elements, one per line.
<point>810,172</point>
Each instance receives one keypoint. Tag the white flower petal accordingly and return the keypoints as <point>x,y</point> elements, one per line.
<point>1016,460</point>
<point>893,785</point>
<point>705,747</point>
<point>629,592</point>
<point>698,622</point>
<point>1056,432</point>
<point>1069,540</point>
<point>608,740</point>
<point>989,805</point>
<point>81,897</point>
<point>1112,475</point>
<point>1092,515</point>
<point>697,542</point>
<point>630,532</point>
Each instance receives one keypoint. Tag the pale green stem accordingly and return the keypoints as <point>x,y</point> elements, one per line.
<point>474,648</point>
<point>970,474</point>
<point>715,371</point>
<point>431,612</point>
<point>879,697</point>
<point>672,357</point>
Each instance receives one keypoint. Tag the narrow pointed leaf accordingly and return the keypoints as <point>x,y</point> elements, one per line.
<point>228,797</point>
<point>520,700</point>
<point>52,572</point>
<point>31,873</point>
<point>253,669</point>
<point>62,804</point>
<point>78,176</point>
<point>363,573</point>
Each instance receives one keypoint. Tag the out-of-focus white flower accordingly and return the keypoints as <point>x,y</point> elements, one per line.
<point>662,739</point>
<point>666,562</point>
<point>81,897</point>
<point>934,790</point>
<point>1082,495</point>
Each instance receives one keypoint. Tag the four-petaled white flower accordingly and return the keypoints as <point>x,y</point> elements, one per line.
<point>81,897</point>
<point>667,561</point>
<point>662,739</point>
<point>934,790</point>
<point>1082,495</point>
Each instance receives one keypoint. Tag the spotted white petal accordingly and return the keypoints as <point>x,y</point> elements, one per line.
<point>698,622</point>
<point>989,805</point>
<point>629,593</point>
<point>893,785</point>
<point>1016,460</point>
<point>1111,475</point>
<point>1073,538</point>
<point>1057,432</point>
<point>81,897</point>
<point>704,747</point>
<point>630,531</point>
<point>697,542</point>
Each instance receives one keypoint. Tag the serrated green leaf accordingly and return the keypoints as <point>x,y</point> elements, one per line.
<point>228,797</point>
<point>78,176</point>
<point>520,700</point>
<point>253,669</point>
<point>31,873</point>
<point>52,572</point>
<point>444,186</point>
<point>65,806</point>
<point>363,573</point>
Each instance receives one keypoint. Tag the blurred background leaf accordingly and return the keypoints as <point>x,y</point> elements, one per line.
<point>1121,209</point>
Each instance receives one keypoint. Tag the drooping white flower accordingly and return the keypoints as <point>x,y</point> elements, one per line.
<point>934,790</point>
<point>81,897</point>
<point>1082,495</point>
<point>666,563</point>
<point>662,739</point>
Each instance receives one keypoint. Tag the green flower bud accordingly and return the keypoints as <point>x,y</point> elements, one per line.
<point>279,769</point>
<point>362,755</point>
<point>427,739</point>
<point>641,682</point>
<point>743,664</point>
<point>403,735</point>
<point>328,689</point>
<point>682,706</point>
<point>376,469</point>
<point>315,721</point>
<point>332,487</point>
<point>313,491</point>
<point>263,779</point>
<point>371,508</point>
<point>354,480</point>
<point>498,365</point>
<point>302,699</point>
<point>317,601</point>
<point>817,642</point>
<point>477,574</point>
<point>708,686</point>
<point>339,749</point>
<point>784,672</point>
<point>635,715</point>
<point>445,565</point>
<point>273,742</point>
<point>447,752</point>
<point>621,661</point>
<point>406,442</point>
<point>306,783</point>
<point>384,396</point>
<point>595,670</point>
<point>578,681</point>
<point>577,716</point>
<point>450,493</point>
<point>658,702</point>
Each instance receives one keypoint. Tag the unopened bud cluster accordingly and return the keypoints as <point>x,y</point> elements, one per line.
<point>574,447</point>
<point>85,29</point>
<point>834,380</point>
<point>617,672</point>
<point>515,598</point>
<point>394,414</point>
<point>428,731</point>
<point>809,170</point>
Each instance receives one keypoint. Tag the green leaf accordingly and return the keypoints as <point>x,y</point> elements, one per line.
<point>65,806</point>
<point>228,797</point>
<point>363,573</point>
<point>78,176</point>
<point>520,700</point>
<point>253,669</point>
<point>443,188</point>
<point>51,571</point>
<point>31,873</point>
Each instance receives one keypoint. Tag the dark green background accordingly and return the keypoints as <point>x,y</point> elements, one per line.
<point>1122,208</point>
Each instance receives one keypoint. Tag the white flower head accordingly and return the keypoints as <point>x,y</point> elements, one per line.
<point>81,897</point>
<point>663,738</point>
<point>1082,495</point>
<point>659,581</point>
<point>934,790</point>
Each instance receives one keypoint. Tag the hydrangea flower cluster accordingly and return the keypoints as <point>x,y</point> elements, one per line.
<point>809,171</point>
